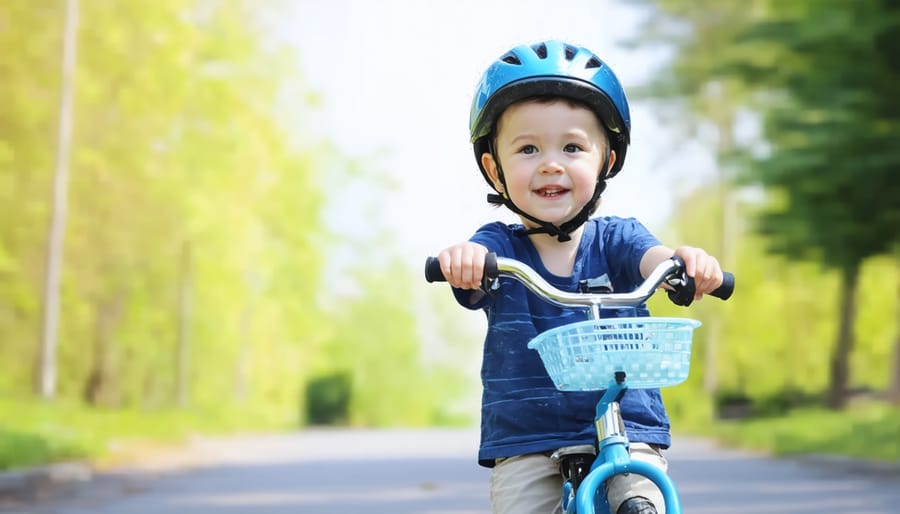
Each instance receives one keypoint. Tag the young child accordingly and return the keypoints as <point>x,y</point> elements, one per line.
<point>550,124</point>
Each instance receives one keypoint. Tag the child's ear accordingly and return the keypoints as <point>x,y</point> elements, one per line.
<point>612,160</point>
<point>493,173</point>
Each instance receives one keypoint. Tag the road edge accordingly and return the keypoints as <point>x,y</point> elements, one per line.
<point>28,481</point>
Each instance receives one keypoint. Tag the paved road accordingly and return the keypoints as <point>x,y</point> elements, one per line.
<point>433,472</point>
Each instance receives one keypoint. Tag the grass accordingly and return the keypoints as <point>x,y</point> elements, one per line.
<point>868,431</point>
<point>36,432</point>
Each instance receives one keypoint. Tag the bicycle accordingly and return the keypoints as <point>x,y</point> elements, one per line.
<point>582,356</point>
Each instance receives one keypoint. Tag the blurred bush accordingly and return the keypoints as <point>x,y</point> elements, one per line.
<point>328,399</point>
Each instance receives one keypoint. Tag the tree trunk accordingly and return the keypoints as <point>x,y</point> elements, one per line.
<point>45,369</point>
<point>100,388</point>
<point>840,358</point>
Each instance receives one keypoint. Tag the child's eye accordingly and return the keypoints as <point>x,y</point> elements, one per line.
<point>528,149</point>
<point>572,148</point>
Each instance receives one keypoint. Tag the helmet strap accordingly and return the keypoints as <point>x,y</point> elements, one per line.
<point>560,232</point>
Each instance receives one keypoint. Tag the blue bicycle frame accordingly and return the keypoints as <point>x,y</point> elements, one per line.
<point>614,459</point>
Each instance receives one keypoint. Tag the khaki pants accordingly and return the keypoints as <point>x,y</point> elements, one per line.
<point>531,484</point>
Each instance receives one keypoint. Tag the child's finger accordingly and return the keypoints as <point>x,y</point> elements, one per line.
<point>467,259</point>
<point>477,269</point>
<point>710,277</point>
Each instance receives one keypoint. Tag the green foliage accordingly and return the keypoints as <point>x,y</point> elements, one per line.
<point>40,432</point>
<point>375,338</point>
<point>194,252</point>
<point>866,431</point>
<point>775,333</point>
<point>820,77</point>
<point>833,148</point>
<point>20,449</point>
<point>186,275</point>
<point>328,399</point>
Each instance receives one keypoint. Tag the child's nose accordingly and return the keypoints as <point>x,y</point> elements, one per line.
<point>551,166</point>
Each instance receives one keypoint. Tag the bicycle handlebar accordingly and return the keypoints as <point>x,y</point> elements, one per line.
<point>670,271</point>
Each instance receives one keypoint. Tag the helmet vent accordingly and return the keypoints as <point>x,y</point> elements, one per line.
<point>593,63</point>
<point>540,50</point>
<point>511,59</point>
<point>570,52</point>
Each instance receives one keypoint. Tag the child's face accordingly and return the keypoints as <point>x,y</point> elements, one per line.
<point>550,154</point>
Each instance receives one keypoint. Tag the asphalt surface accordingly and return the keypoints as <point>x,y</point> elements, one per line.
<point>423,472</point>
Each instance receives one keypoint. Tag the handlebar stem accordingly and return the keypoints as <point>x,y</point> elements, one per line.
<point>608,416</point>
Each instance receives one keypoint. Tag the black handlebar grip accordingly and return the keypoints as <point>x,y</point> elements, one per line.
<point>724,291</point>
<point>433,272</point>
<point>491,271</point>
<point>684,294</point>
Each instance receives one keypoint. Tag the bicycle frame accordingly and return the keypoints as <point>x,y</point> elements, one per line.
<point>613,457</point>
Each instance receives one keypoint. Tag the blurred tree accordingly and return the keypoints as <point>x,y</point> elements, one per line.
<point>686,95</point>
<point>775,328</point>
<point>28,121</point>
<point>894,389</point>
<point>823,75</point>
<point>46,364</point>
<point>832,144</point>
<point>189,203</point>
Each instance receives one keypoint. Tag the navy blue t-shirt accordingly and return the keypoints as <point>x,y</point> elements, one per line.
<point>522,412</point>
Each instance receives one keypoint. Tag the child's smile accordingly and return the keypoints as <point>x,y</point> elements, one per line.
<point>551,191</point>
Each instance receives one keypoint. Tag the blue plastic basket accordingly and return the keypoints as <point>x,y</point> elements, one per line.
<point>584,356</point>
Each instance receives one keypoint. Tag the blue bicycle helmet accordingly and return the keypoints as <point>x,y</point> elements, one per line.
<point>554,69</point>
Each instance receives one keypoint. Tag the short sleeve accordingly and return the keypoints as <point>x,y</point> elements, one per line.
<point>626,241</point>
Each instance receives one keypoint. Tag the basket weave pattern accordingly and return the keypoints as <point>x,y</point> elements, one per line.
<point>584,356</point>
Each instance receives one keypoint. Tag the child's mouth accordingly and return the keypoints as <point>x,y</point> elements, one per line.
<point>551,192</point>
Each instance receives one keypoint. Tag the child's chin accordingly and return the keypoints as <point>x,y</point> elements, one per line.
<point>558,217</point>
<point>556,220</point>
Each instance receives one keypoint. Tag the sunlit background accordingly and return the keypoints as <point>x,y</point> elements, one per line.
<point>396,83</point>
<point>215,214</point>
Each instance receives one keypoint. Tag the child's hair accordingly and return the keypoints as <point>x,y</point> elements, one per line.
<point>551,69</point>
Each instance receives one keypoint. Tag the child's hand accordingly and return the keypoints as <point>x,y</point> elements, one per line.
<point>463,264</point>
<point>702,267</point>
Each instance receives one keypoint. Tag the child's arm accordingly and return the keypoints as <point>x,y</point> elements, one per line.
<point>463,264</point>
<point>699,265</point>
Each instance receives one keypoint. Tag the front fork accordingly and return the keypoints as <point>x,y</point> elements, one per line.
<point>614,459</point>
